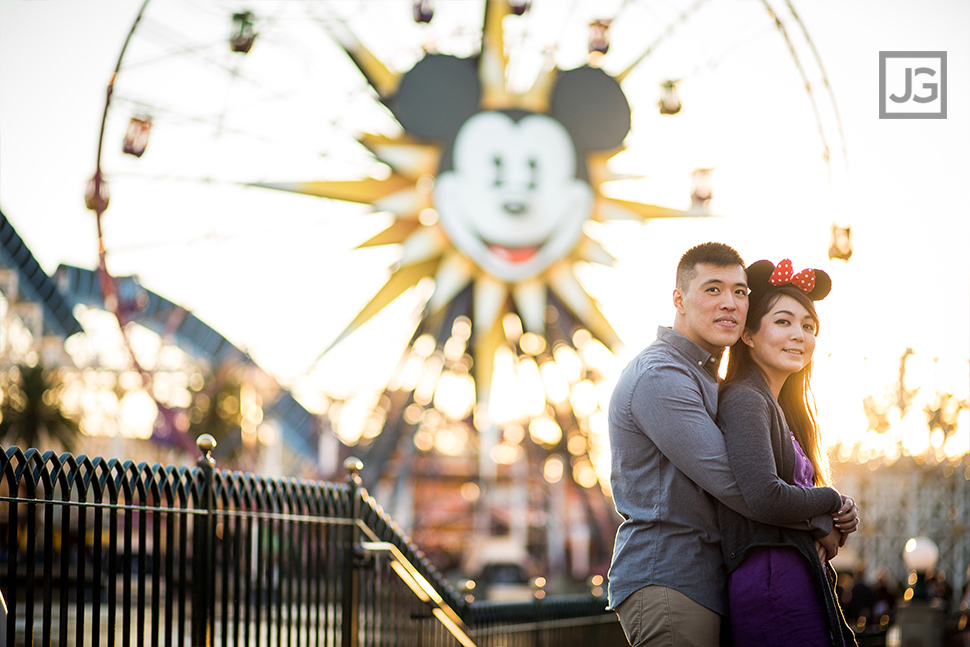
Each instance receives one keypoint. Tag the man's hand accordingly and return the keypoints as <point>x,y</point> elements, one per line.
<point>828,546</point>
<point>846,519</point>
<point>822,552</point>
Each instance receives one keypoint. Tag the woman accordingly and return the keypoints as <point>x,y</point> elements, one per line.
<point>780,591</point>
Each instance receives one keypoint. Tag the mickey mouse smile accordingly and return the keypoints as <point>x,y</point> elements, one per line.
<point>512,203</point>
<point>513,254</point>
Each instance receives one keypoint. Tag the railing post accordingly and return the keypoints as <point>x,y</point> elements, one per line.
<point>538,595</point>
<point>350,617</point>
<point>203,568</point>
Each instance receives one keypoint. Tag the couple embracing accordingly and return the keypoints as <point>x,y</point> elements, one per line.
<point>728,521</point>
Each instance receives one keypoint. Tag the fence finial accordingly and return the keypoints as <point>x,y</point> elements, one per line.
<point>353,466</point>
<point>206,443</point>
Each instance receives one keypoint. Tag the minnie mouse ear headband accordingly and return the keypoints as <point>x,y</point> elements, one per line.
<point>763,275</point>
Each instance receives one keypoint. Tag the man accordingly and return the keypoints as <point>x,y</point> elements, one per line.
<point>667,581</point>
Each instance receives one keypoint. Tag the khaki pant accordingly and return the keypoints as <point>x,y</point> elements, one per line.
<point>656,616</point>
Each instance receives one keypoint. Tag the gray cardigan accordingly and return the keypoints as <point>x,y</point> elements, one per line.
<point>762,456</point>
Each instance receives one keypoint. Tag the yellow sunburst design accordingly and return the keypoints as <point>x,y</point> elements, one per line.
<point>427,252</point>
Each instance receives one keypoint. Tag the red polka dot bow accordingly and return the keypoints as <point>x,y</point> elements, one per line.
<point>804,280</point>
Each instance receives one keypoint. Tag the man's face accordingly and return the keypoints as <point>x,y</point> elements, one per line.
<point>713,310</point>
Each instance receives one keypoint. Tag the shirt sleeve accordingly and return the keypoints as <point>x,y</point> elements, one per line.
<point>744,417</point>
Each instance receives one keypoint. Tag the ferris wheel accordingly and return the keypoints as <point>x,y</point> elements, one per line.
<point>470,151</point>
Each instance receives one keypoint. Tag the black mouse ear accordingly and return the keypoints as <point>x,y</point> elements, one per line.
<point>823,285</point>
<point>437,96</point>
<point>758,274</point>
<point>591,105</point>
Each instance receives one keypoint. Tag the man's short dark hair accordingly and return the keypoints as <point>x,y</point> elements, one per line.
<point>716,254</point>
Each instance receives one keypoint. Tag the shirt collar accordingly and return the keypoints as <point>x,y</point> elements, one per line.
<point>691,350</point>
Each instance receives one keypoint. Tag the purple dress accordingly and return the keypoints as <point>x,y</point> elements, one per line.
<point>772,597</point>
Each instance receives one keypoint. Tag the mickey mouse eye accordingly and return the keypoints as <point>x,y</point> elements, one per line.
<point>497,161</point>
<point>533,172</point>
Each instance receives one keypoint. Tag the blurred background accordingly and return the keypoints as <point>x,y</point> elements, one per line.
<point>213,222</point>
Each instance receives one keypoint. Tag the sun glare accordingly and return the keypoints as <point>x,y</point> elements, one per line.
<point>494,209</point>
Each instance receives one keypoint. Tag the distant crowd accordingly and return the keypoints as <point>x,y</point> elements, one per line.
<point>868,603</point>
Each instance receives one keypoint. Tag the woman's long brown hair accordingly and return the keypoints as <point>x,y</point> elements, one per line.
<point>796,399</point>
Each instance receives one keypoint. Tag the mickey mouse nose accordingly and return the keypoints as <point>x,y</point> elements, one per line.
<point>515,208</point>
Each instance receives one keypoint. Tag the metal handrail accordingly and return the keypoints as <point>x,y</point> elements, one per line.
<point>422,588</point>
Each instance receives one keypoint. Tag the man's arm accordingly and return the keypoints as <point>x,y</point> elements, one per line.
<point>667,405</point>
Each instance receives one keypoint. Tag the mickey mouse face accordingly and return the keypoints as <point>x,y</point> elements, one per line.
<point>511,193</point>
<point>512,202</point>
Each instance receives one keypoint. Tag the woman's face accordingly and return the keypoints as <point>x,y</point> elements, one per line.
<point>785,341</point>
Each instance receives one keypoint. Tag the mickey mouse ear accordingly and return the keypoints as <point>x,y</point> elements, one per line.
<point>437,96</point>
<point>760,272</point>
<point>823,285</point>
<point>591,105</point>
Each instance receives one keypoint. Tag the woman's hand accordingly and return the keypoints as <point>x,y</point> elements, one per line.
<point>846,519</point>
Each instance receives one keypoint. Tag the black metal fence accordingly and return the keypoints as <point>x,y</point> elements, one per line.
<point>108,552</point>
